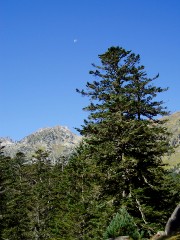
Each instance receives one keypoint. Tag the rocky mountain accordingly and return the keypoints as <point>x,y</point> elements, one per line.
<point>60,141</point>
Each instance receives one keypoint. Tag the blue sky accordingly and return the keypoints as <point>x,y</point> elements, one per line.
<point>41,65</point>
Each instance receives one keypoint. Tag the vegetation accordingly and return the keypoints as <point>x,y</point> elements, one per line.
<point>125,139</point>
<point>114,183</point>
<point>122,225</point>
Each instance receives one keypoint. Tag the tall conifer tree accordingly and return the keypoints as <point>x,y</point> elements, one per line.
<point>126,140</point>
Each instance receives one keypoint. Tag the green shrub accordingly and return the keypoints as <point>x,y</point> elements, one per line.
<point>122,225</point>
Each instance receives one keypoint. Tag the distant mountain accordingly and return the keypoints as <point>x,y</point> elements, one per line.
<point>60,141</point>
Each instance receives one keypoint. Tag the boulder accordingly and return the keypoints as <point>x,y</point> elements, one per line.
<point>173,223</point>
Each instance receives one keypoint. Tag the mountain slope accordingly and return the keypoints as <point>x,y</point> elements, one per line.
<point>58,140</point>
<point>173,126</point>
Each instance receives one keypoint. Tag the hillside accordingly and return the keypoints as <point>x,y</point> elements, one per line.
<point>58,140</point>
<point>173,126</point>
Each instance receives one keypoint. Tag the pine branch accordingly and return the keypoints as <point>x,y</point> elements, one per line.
<point>140,209</point>
<point>146,181</point>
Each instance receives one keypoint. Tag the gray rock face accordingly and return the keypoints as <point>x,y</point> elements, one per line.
<point>60,141</point>
<point>6,141</point>
<point>173,224</point>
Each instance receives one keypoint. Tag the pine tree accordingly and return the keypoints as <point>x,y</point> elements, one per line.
<point>126,139</point>
<point>15,217</point>
<point>40,180</point>
<point>3,189</point>
<point>17,214</point>
<point>76,210</point>
<point>122,225</point>
<point>81,194</point>
<point>61,226</point>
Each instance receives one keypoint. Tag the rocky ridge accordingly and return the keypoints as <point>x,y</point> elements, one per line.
<point>59,140</point>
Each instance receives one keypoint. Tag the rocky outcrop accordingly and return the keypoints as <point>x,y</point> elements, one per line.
<point>173,224</point>
<point>172,228</point>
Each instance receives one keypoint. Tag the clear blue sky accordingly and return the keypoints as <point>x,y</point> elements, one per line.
<point>41,65</point>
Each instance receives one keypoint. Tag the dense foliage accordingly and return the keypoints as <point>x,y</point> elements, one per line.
<point>126,140</point>
<point>115,177</point>
<point>122,225</point>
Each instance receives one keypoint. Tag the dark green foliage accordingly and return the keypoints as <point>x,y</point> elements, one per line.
<point>40,179</point>
<point>122,225</point>
<point>125,139</point>
<point>15,215</point>
<point>82,192</point>
<point>30,197</point>
<point>3,188</point>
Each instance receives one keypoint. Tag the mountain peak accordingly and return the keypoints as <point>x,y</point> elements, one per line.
<point>59,140</point>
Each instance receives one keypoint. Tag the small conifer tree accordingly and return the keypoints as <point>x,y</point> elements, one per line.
<point>122,225</point>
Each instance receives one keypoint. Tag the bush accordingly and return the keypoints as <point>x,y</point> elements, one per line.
<point>122,225</point>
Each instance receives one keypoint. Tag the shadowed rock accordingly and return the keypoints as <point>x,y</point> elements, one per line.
<point>173,224</point>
